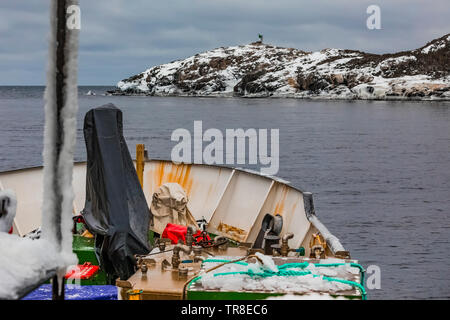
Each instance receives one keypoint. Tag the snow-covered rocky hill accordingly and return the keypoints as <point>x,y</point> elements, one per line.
<point>262,70</point>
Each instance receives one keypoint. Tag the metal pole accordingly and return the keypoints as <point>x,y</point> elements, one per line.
<point>140,156</point>
<point>333,242</point>
<point>56,293</point>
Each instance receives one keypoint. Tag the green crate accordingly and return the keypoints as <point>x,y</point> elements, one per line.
<point>84,248</point>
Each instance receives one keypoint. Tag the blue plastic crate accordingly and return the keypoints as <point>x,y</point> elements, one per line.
<point>75,292</point>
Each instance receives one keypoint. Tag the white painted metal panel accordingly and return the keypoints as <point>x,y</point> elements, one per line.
<point>27,184</point>
<point>287,202</point>
<point>240,205</point>
<point>233,201</point>
<point>79,186</point>
<point>204,185</point>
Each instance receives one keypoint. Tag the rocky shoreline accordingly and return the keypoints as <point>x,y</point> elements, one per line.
<point>260,70</point>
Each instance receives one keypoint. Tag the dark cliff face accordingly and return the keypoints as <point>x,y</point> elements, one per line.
<point>263,70</point>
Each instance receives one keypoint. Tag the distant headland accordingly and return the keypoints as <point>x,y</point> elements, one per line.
<point>263,70</point>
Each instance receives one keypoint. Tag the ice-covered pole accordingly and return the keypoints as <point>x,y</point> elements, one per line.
<point>61,107</point>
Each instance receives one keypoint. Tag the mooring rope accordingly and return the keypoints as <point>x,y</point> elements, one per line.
<point>284,271</point>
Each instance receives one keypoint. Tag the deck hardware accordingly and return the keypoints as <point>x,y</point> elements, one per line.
<point>203,224</point>
<point>165,264</point>
<point>161,246</point>
<point>276,249</point>
<point>176,254</point>
<point>270,230</point>
<point>197,250</point>
<point>220,243</point>
<point>124,287</point>
<point>190,235</point>
<point>223,246</point>
<point>342,254</point>
<point>144,267</point>
<point>318,246</point>
<point>331,241</point>
<point>285,245</point>
<point>269,240</point>
<point>318,252</point>
<point>251,251</point>
<point>199,259</point>
<point>183,272</point>
<point>176,259</point>
<point>277,224</point>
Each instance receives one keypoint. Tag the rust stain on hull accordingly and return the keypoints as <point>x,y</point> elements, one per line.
<point>169,172</point>
<point>279,207</point>
<point>233,232</point>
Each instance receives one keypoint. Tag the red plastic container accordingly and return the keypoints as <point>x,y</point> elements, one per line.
<point>82,271</point>
<point>176,232</point>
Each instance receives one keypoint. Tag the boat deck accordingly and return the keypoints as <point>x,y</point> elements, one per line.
<point>166,283</point>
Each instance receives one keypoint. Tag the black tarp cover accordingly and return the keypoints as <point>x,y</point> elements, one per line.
<point>116,211</point>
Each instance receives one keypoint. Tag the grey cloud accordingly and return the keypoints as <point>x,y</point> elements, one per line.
<point>122,37</point>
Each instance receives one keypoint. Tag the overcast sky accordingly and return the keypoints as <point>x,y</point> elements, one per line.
<point>120,38</point>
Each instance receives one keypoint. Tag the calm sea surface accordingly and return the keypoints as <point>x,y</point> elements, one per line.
<point>380,171</point>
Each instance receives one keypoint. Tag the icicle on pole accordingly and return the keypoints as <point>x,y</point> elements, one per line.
<point>61,108</point>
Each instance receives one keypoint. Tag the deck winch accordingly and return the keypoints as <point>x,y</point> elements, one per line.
<point>318,246</point>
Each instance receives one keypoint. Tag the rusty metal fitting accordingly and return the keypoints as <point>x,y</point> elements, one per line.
<point>176,254</point>
<point>221,243</point>
<point>269,240</point>
<point>183,272</point>
<point>317,252</point>
<point>197,250</point>
<point>176,259</point>
<point>284,250</point>
<point>276,250</point>
<point>199,258</point>
<point>190,235</point>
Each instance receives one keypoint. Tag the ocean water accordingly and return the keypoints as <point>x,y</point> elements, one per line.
<point>380,171</point>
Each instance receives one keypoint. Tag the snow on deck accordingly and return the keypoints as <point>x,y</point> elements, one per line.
<point>24,262</point>
<point>309,283</point>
